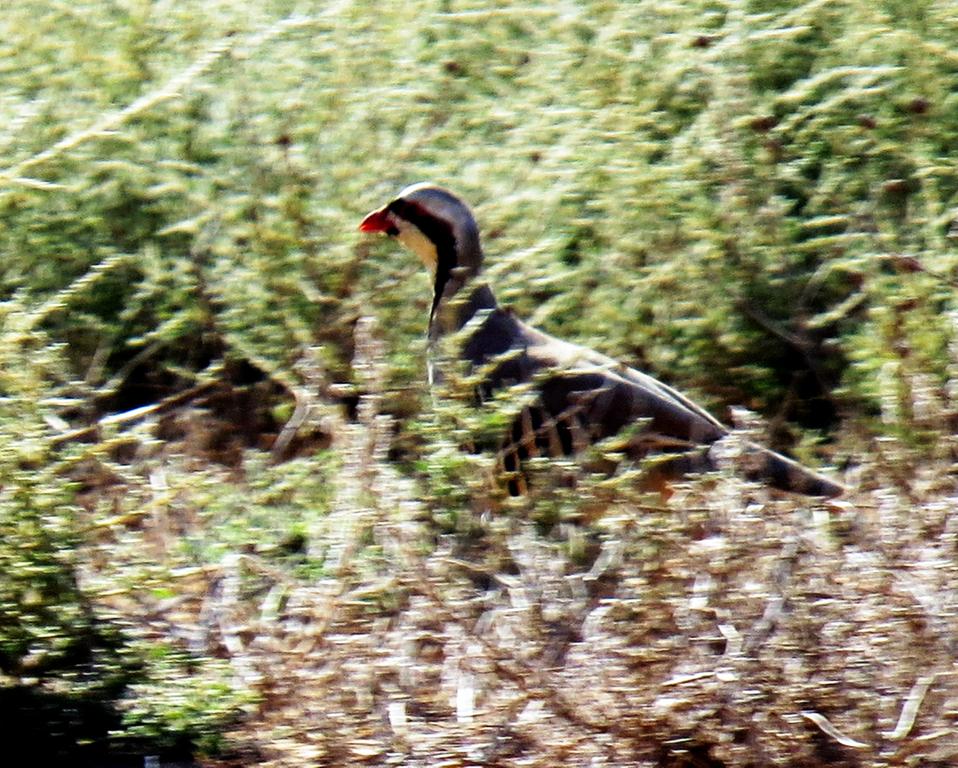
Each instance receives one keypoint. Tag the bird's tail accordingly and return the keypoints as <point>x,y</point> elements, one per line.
<point>763,464</point>
<point>749,459</point>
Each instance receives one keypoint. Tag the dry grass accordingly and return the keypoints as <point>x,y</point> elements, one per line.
<point>727,629</point>
<point>729,626</point>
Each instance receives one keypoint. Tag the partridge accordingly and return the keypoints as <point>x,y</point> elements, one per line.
<point>581,396</point>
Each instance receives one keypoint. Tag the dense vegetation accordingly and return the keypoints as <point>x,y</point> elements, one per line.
<point>232,523</point>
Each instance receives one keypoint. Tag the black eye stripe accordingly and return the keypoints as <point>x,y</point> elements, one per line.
<point>440,233</point>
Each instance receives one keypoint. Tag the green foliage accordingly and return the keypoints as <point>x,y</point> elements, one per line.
<point>43,615</point>
<point>755,201</point>
<point>713,192</point>
<point>42,612</point>
<point>178,700</point>
<point>60,664</point>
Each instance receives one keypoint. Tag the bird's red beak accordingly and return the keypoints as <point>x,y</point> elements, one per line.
<point>377,221</point>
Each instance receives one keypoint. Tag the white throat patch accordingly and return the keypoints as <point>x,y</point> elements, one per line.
<point>412,237</point>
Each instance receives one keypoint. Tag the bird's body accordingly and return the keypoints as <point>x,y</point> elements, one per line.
<point>582,395</point>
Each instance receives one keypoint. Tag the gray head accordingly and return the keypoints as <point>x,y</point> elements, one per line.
<point>435,225</point>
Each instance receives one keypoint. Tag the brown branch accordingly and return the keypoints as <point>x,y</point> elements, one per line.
<point>128,417</point>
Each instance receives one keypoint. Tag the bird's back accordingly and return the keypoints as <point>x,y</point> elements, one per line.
<point>583,396</point>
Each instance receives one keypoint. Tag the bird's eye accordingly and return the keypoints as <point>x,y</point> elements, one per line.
<point>393,230</point>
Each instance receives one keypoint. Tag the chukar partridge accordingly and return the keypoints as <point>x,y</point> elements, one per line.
<point>582,396</point>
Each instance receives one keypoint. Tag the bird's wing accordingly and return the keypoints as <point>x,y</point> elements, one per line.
<point>585,397</point>
<point>613,395</point>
